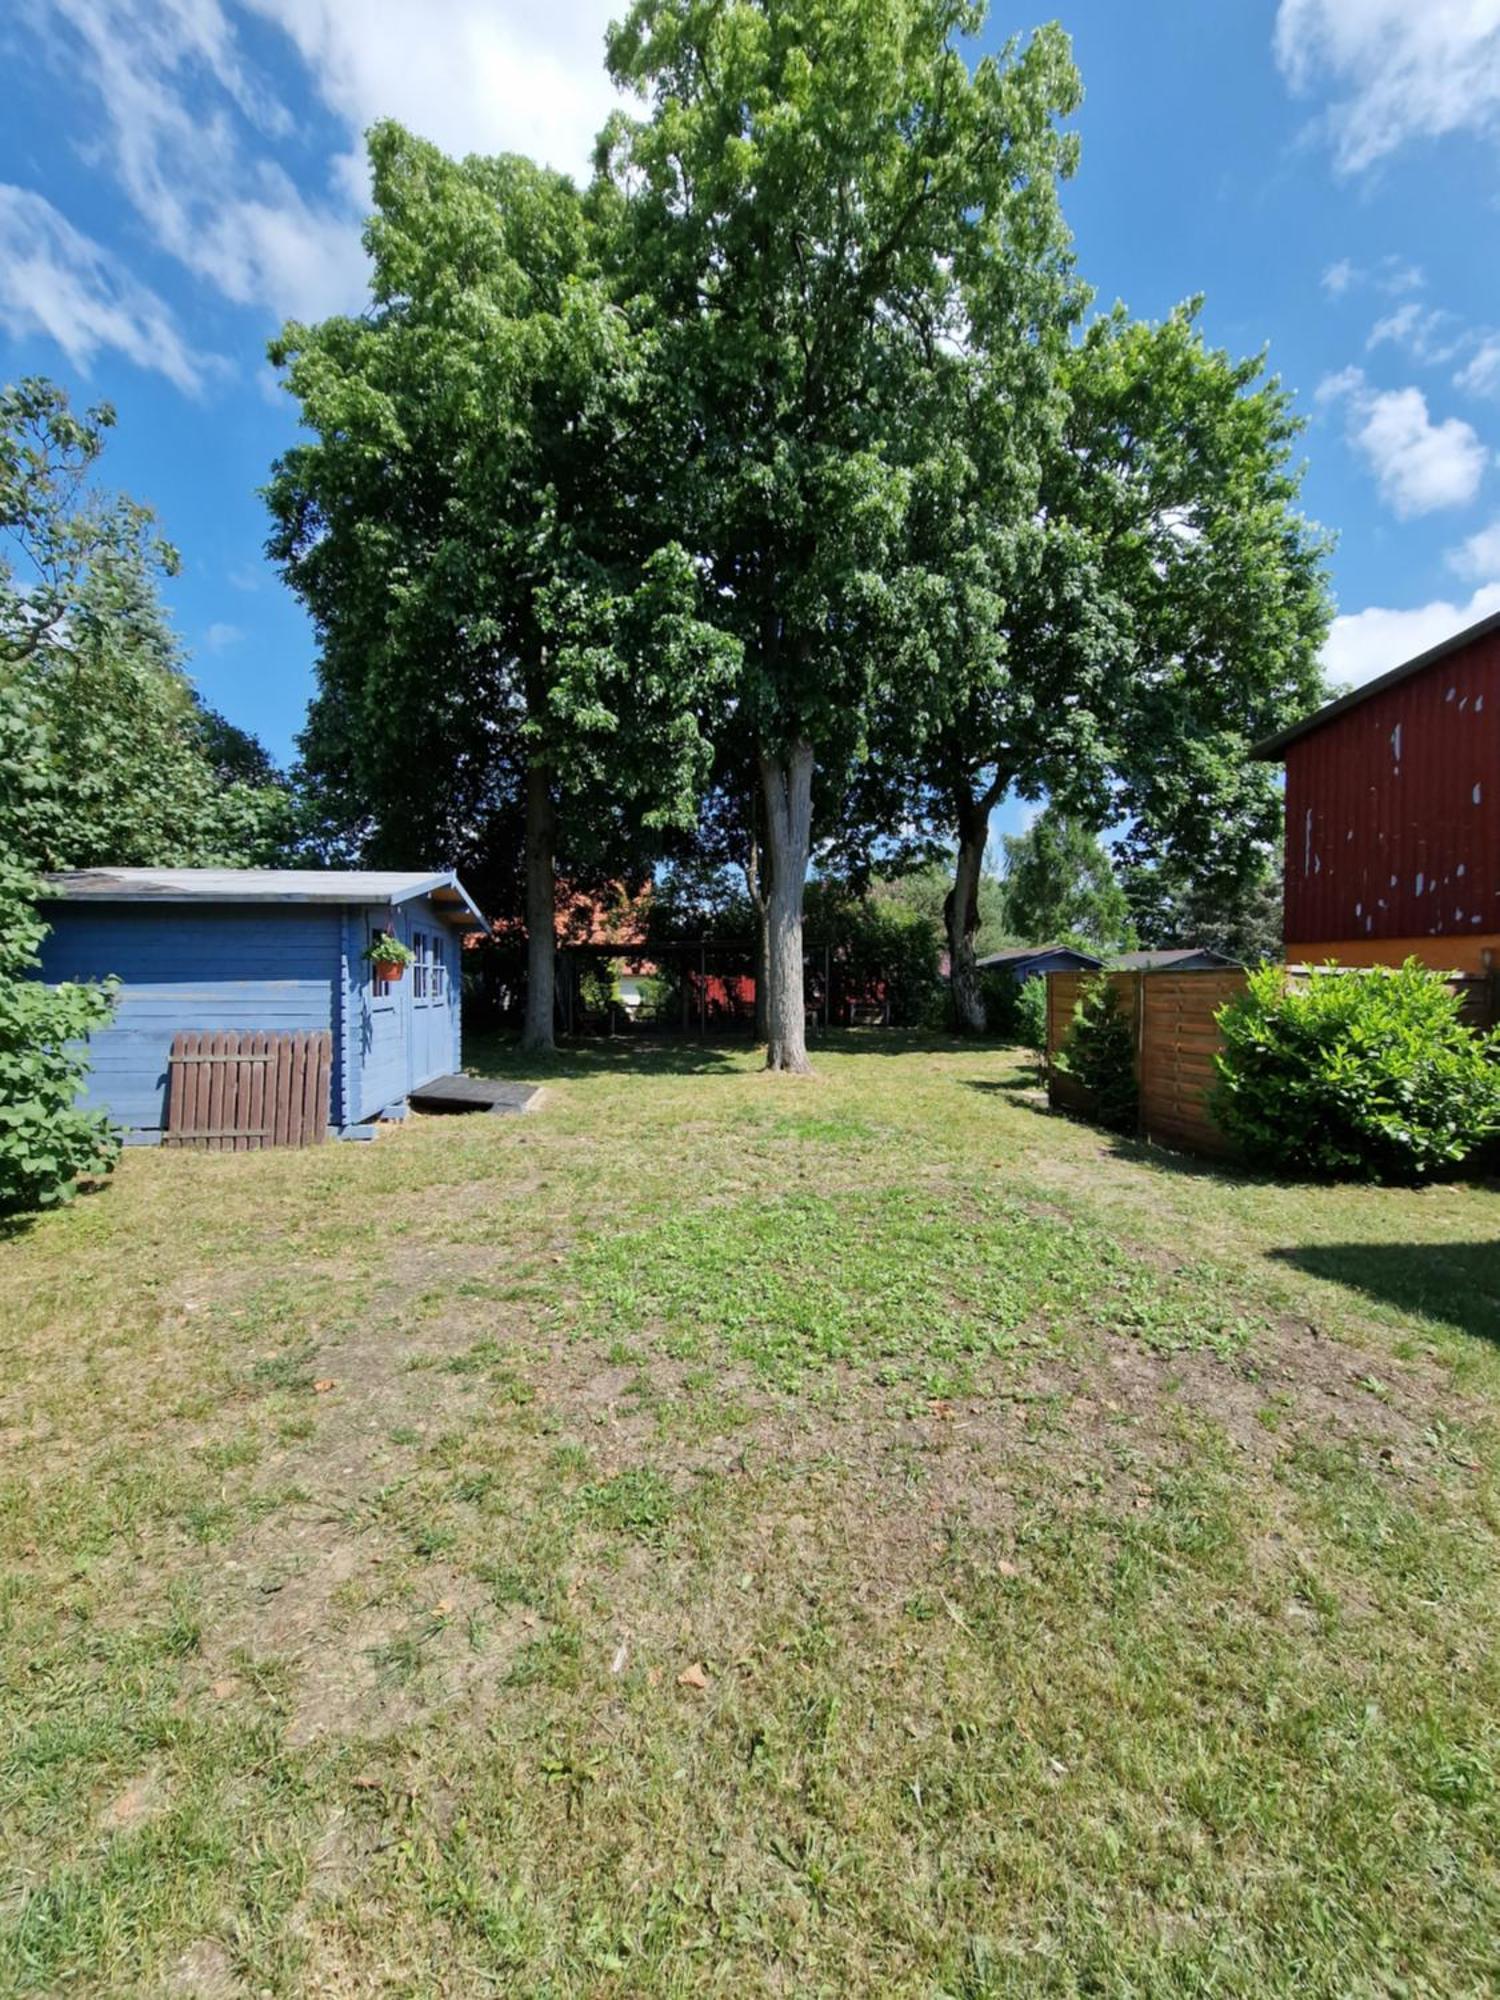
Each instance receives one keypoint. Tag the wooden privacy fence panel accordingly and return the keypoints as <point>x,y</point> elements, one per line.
<point>1176,1038</point>
<point>235,1092</point>
<point>1176,1043</point>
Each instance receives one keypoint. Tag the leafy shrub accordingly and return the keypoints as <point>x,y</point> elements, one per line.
<point>45,1144</point>
<point>878,942</point>
<point>388,949</point>
<point>1358,1075</point>
<point>598,989</point>
<point>1099,1054</point>
<point>1016,1010</point>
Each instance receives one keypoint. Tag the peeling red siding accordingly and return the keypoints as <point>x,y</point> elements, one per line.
<point>1393,810</point>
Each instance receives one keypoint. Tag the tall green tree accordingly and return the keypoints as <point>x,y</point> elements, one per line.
<point>824,204</point>
<point>1183,466</point>
<point>1160,606</point>
<point>501,628</point>
<point>1171,903</point>
<point>1060,887</point>
<point>112,757</point>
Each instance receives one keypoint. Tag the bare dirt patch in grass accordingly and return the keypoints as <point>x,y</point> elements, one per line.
<point>721,1538</point>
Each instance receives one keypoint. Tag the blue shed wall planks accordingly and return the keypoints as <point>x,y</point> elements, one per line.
<point>281,968</point>
<point>185,969</point>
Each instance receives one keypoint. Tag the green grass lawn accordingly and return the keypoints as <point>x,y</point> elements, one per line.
<point>730,1534</point>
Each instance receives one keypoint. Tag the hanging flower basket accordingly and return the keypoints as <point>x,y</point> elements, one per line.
<point>388,958</point>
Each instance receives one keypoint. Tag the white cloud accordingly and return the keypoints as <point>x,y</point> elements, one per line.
<point>57,282</point>
<point>1419,466</point>
<point>192,129</point>
<point>1338,278</point>
<point>1478,557</point>
<point>1480,375</point>
<point>189,128</point>
<point>220,637</point>
<point>1404,69</point>
<point>1369,643</point>
<point>523,77</point>
<point>1427,333</point>
<point>1393,275</point>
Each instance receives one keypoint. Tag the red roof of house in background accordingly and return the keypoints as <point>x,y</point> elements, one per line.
<point>585,917</point>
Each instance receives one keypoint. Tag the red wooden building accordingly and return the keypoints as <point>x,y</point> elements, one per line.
<point>1393,815</point>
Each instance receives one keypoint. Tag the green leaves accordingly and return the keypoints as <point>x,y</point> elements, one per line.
<point>824,207</point>
<point>45,1143</point>
<point>467,527</point>
<point>1360,1075</point>
<point>107,756</point>
<point>1099,1054</point>
<point>1060,887</point>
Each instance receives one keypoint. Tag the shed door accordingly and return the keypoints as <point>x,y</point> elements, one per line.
<point>431,999</point>
<point>383,1056</point>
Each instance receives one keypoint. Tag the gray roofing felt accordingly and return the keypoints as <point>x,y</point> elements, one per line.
<point>1156,961</point>
<point>1013,953</point>
<point>261,885</point>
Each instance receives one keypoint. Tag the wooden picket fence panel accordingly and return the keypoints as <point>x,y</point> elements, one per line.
<point>235,1092</point>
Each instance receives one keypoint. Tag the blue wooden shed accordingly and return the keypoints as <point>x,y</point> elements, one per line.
<point>210,950</point>
<point>1032,961</point>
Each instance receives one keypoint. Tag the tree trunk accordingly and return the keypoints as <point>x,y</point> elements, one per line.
<point>755,883</point>
<point>541,912</point>
<point>787,784</point>
<point>961,911</point>
<point>762,975</point>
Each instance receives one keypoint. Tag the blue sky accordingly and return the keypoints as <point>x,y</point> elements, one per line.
<point>177,178</point>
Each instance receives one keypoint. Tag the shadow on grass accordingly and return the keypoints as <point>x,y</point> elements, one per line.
<point>600,1056</point>
<point>1455,1282</point>
<point>501,1055</point>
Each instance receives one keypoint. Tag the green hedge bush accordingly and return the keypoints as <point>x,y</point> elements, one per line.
<point>1366,1075</point>
<point>1098,1052</point>
<point>45,1143</point>
<point>1015,1011</point>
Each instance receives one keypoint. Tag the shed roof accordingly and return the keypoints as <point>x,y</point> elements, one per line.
<point>268,885</point>
<point>1182,958</point>
<point>1274,746</point>
<point>1017,954</point>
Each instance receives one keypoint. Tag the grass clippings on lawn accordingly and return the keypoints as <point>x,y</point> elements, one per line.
<point>736,1535</point>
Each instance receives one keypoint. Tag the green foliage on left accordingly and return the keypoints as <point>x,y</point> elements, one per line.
<point>107,754</point>
<point>599,988</point>
<point>1099,1054</point>
<point>1355,1075</point>
<point>45,1143</point>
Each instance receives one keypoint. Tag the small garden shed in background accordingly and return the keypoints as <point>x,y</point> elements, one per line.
<point>278,952</point>
<point>1032,961</point>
